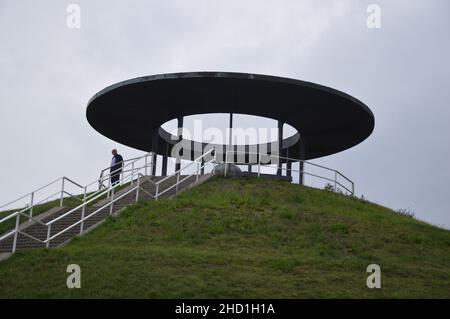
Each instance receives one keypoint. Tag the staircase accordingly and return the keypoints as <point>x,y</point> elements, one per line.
<point>59,225</point>
<point>39,231</point>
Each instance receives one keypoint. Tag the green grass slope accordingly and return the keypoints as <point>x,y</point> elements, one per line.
<point>243,238</point>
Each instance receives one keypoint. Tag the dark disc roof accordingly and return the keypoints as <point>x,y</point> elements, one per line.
<point>328,120</point>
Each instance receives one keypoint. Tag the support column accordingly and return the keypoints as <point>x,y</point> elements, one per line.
<point>155,151</point>
<point>301,177</point>
<point>301,174</point>
<point>247,156</point>
<point>280,147</point>
<point>164,161</point>
<point>224,151</point>
<point>230,142</point>
<point>180,138</point>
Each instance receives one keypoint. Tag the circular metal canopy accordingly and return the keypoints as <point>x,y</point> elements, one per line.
<point>329,121</point>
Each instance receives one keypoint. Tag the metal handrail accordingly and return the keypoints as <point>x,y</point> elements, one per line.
<point>72,181</point>
<point>182,168</point>
<point>12,232</point>
<point>82,206</point>
<point>182,180</point>
<point>113,200</point>
<point>86,202</point>
<point>45,199</point>
<point>36,190</point>
<point>352,191</point>
<point>106,178</point>
<point>127,160</point>
<point>16,212</point>
<point>16,230</point>
<point>88,216</point>
<point>130,161</point>
<point>307,173</point>
<point>140,176</point>
<point>32,237</point>
<point>75,183</point>
<point>62,179</point>
<point>21,214</point>
<point>288,158</point>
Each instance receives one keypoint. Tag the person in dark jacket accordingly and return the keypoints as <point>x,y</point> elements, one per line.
<point>116,167</point>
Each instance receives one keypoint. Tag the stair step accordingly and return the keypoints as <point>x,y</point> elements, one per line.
<point>39,231</point>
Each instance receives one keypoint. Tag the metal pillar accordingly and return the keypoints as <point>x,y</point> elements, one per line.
<point>258,156</point>
<point>301,177</point>
<point>192,155</point>
<point>224,152</point>
<point>180,138</point>
<point>155,150</point>
<point>230,142</point>
<point>164,161</point>
<point>247,156</point>
<point>280,147</point>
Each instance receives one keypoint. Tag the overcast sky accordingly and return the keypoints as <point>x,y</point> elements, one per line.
<point>48,72</point>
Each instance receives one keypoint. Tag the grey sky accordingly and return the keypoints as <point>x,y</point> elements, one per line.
<point>401,71</point>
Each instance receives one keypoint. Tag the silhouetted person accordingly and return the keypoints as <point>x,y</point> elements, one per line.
<point>116,167</point>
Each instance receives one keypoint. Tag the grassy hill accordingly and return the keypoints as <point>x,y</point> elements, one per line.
<point>243,238</point>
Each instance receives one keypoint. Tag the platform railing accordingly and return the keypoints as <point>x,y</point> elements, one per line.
<point>337,180</point>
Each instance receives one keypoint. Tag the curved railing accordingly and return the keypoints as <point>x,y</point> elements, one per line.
<point>337,180</point>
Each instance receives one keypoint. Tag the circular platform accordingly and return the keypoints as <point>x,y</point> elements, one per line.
<point>329,121</point>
